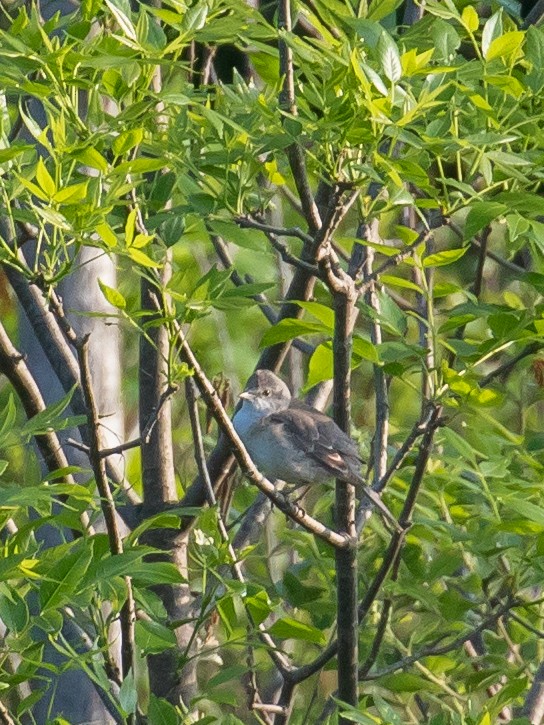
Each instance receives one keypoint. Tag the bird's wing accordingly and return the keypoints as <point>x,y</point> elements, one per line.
<point>321,439</point>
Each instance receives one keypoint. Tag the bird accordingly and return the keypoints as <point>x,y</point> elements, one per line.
<point>293,442</point>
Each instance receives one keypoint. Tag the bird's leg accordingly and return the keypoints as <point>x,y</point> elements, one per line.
<point>287,490</point>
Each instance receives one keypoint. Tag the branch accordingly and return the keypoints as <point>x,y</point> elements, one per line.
<point>433,650</point>
<point>127,615</point>
<point>346,559</point>
<point>247,222</point>
<point>397,259</point>
<point>270,314</point>
<point>63,363</point>
<point>533,707</point>
<point>418,430</point>
<point>535,15</point>
<point>13,366</point>
<point>288,105</point>
<point>506,367</point>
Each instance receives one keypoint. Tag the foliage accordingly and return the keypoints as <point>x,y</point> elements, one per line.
<point>436,126</point>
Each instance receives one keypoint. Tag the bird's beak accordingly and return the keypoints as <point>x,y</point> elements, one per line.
<point>246,395</point>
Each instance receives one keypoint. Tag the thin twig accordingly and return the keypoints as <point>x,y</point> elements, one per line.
<point>533,707</point>
<point>397,259</point>
<point>249,222</point>
<point>418,429</point>
<point>433,650</point>
<point>288,105</point>
<point>378,639</point>
<point>127,614</point>
<point>505,368</point>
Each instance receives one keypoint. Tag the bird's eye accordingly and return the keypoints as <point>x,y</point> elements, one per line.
<point>266,392</point>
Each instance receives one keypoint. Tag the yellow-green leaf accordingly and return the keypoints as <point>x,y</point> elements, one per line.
<point>141,258</point>
<point>142,240</point>
<point>93,158</point>
<point>71,194</point>
<point>107,234</point>
<point>273,174</point>
<point>129,227</point>
<point>127,140</point>
<point>113,296</point>
<point>440,259</point>
<point>44,179</point>
<point>33,188</point>
<point>506,46</point>
<point>469,18</point>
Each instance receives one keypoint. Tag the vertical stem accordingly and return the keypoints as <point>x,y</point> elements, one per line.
<point>107,503</point>
<point>157,457</point>
<point>159,489</point>
<point>381,435</point>
<point>346,559</point>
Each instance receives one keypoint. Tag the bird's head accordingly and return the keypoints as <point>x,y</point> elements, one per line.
<point>265,392</point>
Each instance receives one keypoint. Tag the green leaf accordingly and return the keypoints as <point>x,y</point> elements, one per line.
<point>8,416</point>
<point>44,179</point>
<point>107,234</point>
<point>392,281</point>
<point>161,712</point>
<point>72,194</point>
<point>529,510</point>
<point>120,9</point>
<point>13,609</point>
<point>441,259</point>
<point>128,694</point>
<point>13,151</point>
<point>289,328</point>
<point>64,577</point>
<point>480,214</point>
<point>156,572</point>
<point>165,520</point>
<point>127,140</point>
<point>113,296</point>
<point>406,682</point>
<point>365,349</point>
<point>492,29</point>
<point>139,166</point>
<point>321,312</point>
<point>522,202</point>
<point>93,158</point>
<point>389,58</point>
<point>48,419</point>
<point>288,628</point>
<point>258,604</point>
<point>234,672</point>
<point>379,9</point>
<point>153,637</point>
<point>321,365</point>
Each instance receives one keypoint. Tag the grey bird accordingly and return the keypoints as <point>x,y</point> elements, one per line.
<point>293,442</point>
